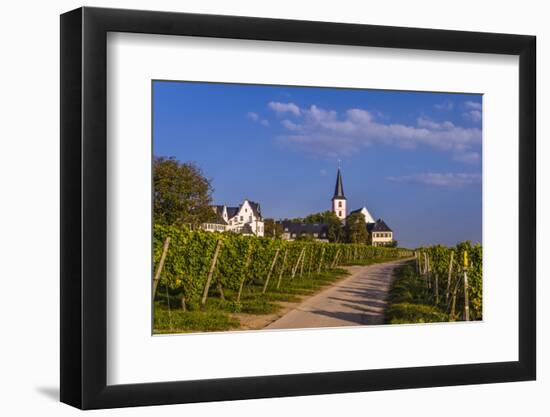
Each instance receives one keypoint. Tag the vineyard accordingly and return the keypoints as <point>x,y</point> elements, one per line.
<point>443,284</point>
<point>197,269</point>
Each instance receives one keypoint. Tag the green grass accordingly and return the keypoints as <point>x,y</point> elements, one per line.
<point>410,302</point>
<point>217,314</point>
<point>179,321</point>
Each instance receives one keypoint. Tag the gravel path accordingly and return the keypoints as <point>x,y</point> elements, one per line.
<point>357,300</point>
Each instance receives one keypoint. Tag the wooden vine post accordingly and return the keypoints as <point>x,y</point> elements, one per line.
<point>302,263</point>
<point>466,295</point>
<point>335,259</point>
<point>297,263</point>
<point>426,266</point>
<point>282,269</point>
<point>436,284</point>
<point>449,277</point>
<point>270,271</point>
<point>453,301</point>
<point>246,263</point>
<point>321,261</point>
<point>210,274</point>
<point>156,279</point>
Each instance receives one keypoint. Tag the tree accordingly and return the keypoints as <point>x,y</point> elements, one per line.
<point>272,229</point>
<point>335,230</point>
<point>356,229</point>
<point>181,193</point>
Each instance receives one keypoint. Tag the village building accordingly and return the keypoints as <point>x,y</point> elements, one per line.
<point>245,219</point>
<point>379,232</point>
<point>293,230</point>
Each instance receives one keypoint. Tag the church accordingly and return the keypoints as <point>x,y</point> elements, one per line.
<point>379,232</point>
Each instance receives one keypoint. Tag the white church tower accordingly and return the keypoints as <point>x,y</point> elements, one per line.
<point>339,199</point>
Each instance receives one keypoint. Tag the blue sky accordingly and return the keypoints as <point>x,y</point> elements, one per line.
<point>412,158</point>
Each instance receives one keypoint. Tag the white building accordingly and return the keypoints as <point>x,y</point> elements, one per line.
<point>245,219</point>
<point>379,232</point>
<point>364,212</point>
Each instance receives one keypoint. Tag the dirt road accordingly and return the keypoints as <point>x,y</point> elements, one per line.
<point>358,300</point>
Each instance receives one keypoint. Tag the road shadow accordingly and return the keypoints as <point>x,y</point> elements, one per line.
<point>359,318</point>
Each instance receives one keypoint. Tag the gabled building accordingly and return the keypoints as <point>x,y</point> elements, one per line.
<point>293,230</point>
<point>364,212</point>
<point>379,233</point>
<point>245,219</point>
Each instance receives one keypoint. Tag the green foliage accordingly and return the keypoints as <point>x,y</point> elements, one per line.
<point>419,296</point>
<point>273,229</point>
<point>178,321</point>
<point>404,313</point>
<point>356,230</point>
<point>181,193</point>
<point>335,233</point>
<point>246,260</point>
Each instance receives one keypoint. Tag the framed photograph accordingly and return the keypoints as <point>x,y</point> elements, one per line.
<point>259,208</point>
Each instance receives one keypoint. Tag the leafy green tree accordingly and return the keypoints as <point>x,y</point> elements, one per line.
<point>272,229</point>
<point>181,193</point>
<point>335,232</point>
<point>356,230</point>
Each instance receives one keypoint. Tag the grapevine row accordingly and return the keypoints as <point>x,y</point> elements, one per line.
<point>193,261</point>
<point>453,278</point>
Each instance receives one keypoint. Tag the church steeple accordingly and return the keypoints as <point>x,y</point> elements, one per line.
<point>339,199</point>
<point>339,188</point>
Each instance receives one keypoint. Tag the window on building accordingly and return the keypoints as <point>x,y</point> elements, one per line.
<point>339,204</point>
<point>339,213</point>
<point>241,218</point>
<point>249,218</point>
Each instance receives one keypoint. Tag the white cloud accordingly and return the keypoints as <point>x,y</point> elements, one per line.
<point>282,108</point>
<point>326,133</point>
<point>256,118</point>
<point>436,179</point>
<point>289,125</point>
<point>473,115</point>
<point>446,105</point>
<point>472,105</point>
<point>468,157</point>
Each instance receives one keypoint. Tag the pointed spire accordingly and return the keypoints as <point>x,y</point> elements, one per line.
<point>339,188</point>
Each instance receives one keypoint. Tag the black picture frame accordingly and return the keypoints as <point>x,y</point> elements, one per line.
<point>84,207</point>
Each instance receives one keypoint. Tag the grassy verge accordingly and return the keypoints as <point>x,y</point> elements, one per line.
<point>410,302</point>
